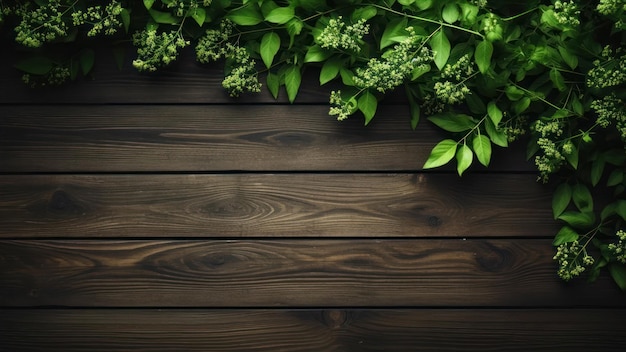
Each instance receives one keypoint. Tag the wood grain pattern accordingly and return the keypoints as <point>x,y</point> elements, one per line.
<point>156,138</point>
<point>274,205</point>
<point>289,273</point>
<point>313,330</point>
<point>185,81</point>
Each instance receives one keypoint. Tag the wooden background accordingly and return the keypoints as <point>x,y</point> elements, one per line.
<point>155,213</point>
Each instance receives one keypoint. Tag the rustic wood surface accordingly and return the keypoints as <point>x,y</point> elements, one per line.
<point>288,273</point>
<point>274,205</point>
<point>155,213</point>
<point>165,138</point>
<point>312,330</point>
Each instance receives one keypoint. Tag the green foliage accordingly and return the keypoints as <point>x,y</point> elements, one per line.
<point>486,72</point>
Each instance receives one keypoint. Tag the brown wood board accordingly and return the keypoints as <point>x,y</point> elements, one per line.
<point>157,138</point>
<point>290,273</point>
<point>312,330</point>
<point>275,205</point>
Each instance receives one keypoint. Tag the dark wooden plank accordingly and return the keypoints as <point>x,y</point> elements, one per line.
<point>312,330</point>
<point>274,205</point>
<point>290,273</point>
<point>211,138</point>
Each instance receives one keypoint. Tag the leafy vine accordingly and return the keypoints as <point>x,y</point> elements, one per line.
<point>487,72</point>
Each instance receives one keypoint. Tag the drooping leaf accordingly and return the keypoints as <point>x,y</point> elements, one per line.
<point>273,84</point>
<point>582,198</point>
<point>441,154</point>
<point>86,59</point>
<point>495,114</point>
<point>199,15</point>
<point>578,220</point>
<point>316,54</point>
<point>615,178</point>
<point>346,76</point>
<point>597,169</point>
<point>367,104</point>
<point>414,109</point>
<point>569,58</point>
<point>482,148</point>
<point>450,13</point>
<point>497,137</point>
<point>293,79</point>
<point>482,55</point>
<point>618,273</point>
<point>561,198</point>
<point>464,158</point>
<point>270,43</point>
<point>148,4</point>
<point>521,105</point>
<point>125,14</point>
<point>395,32</point>
<point>366,13</point>
<point>330,70</point>
<point>163,17</point>
<point>565,235</point>
<point>249,15</point>
<point>35,65</point>
<point>620,208</point>
<point>280,15</point>
<point>452,122</point>
<point>557,78</point>
<point>294,27</point>
<point>440,44</point>
<point>572,157</point>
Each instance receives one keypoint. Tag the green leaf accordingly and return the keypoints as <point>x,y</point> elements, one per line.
<point>565,235</point>
<point>521,105</point>
<point>441,154</point>
<point>163,17</point>
<point>482,55</point>
<point>418,71</point>
<point>578,220</point>
<point>495,114</point>
<point>35,65</point>
<point>615,178</point>
<point>346,77</point>
<point>249,15</point>
<point>620,208</point>
<point>293,79</point>
<point>570,59</point>
<point>199,15</point>
<point>482,148</point>
<point>294,27</point>
<point>330,70</point>
<point>464,158</point>
<point>367,104</point>
<point>614,156</point>
<point>365,13</point>
<point>513,93</point>
<point>316,54</point>
<point>582,198</point>
<point>498,137</point>
<point>608,211</point>
<point>557,78</point>
<point>469,14</point>
<point>415,113</point>
<point>280,15</point>
<point>577,106</point>
<point>475,104</point>
<point>618,273</point>
<point>86,59</point>
<point>395,32</point>
<point>148,4</point>
<point>597,169</point>
<point>270,43</point>
<point>273,84</point>
<point>452,122</point>
<point>125,15</point>
<point>424,4</point>
<point>450,13</point>
<point>561,199</point>
<point>440,44</point>
<point>572,158</point>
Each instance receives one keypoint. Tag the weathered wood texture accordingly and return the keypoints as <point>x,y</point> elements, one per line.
<point>157,138</point>
<point>313,330</point>
<point>288,273</point>
<point>274,205</point>
<point>155,213</point>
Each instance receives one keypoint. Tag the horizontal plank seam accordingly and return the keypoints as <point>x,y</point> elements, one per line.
<point>261,172</point>
<point>317,308</point>
<point>281,238</point>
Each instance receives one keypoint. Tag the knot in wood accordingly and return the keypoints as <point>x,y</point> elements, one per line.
<point>335,319</point>
<point>434,221</point>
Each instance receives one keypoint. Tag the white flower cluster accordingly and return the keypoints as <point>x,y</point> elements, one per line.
<point>339,107</point>
<point>395,66</point>
<point>241,70</point>
<point>338,35</point>
<point>155,50</point>
<point>573,260</point>
<point>40,25</point>
<point>553,154</point>
<point>610,109</point>
<point>454,90</point>
<point>609,73</point>
<point>567,13</point>
<point>182,6</point>
<point>619,248</point>
<point>105,20</point>
<point>56,76</point>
